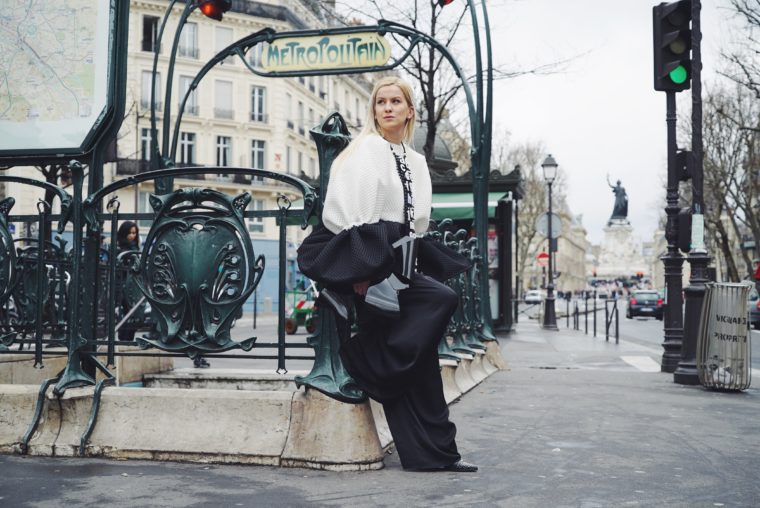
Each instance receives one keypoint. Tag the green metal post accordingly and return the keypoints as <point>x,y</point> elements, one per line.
<point>328,374</point>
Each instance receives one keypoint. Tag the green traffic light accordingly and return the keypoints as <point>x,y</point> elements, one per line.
<point>679,75</point>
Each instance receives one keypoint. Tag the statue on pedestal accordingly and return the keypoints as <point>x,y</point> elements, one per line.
<point>620,210</point>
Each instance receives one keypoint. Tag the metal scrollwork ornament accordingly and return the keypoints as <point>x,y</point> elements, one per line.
<point>7,266</point>
<point>197,269</point>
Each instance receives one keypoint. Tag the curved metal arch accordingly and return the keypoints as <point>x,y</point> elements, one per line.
<point>63,196</point>
<point>307,192</point>
<point>414,37</point>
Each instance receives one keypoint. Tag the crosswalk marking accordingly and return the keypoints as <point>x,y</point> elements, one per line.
<point>643,363</point>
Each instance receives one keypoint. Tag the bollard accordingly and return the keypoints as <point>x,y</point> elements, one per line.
<point>585,312</point>
<point>595,314</point>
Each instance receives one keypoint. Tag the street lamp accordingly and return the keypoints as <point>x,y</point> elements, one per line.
<point>550,318</point>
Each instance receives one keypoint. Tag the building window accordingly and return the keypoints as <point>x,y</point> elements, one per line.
<point>145,98</point>
<point>223,100</point>
<point>223,151</point>
<point>300,163</point>
<point>223,36</point>
<point>258,153</point>
<point>289,110</point>
<point>302,80</point>
<point>191,107</point>
<point>358,110</point>
<point>150,33</point>
<point>255,55</point>
<point>348,105</point>
<point>188,41</point>
<point>323,87</point>
<point>256,224</point>
<point>187,148</point>
<point>312,167</point>
<point>301,118</point>
<point>145,144</point>
<point>143,206</point>
<point>288,166</point>
<point>311,118</point>
<point>258,104</point>
<point>312,85</point>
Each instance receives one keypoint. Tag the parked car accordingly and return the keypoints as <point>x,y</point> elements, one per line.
<point>753,309</point>
<point>533,296</point>
<point>645,303</point>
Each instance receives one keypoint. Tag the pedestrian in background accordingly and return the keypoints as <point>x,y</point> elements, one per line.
<point>127,241</point>
<point>379,192</point>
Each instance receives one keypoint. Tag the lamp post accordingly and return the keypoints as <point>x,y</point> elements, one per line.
<point>550,318</point>
<point>481,151</point>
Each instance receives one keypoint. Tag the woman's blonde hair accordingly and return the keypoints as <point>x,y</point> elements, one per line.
<point>371,126</point>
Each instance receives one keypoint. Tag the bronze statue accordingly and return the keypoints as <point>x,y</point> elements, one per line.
<point>620,210</point>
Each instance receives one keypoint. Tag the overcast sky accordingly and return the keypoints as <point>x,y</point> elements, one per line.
<point>601,115</point>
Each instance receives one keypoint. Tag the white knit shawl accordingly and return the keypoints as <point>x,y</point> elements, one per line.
<point>366,188</point>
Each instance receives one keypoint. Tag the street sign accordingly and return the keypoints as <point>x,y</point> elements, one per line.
<point>542,259</point>
<point>332,51</point>
<point>542,225</point>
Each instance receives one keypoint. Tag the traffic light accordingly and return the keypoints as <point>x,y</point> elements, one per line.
<point>444,3</point>
<point>684,165</point>
<point>214,9</point>
<point>672,46</point>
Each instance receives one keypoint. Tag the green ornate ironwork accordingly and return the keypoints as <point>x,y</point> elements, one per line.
<point>7,265</point>
<point>328,374</point>
<point>197,270</point>
<point>473,314</point>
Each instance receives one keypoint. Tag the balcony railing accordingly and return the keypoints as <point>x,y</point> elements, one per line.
<point>260,117</point>
<point>188,52</point>
<point>227,114</point>
<point>145,105</point>
<point>190,109</point>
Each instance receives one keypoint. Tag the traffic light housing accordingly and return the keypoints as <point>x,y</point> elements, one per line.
<point>672,46</point>
<point>214,9</point>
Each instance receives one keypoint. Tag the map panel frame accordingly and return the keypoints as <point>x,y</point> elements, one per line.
<point>79,54</point>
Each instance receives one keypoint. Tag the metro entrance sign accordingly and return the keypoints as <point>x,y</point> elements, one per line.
<point>542,258</point>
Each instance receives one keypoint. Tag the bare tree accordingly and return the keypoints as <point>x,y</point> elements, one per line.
<point>730,127</point>
<point>744,57</point>
<point>439,86</point>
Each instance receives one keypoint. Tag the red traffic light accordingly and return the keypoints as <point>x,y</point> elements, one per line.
<point>444,3</point>
<point>214,9</point>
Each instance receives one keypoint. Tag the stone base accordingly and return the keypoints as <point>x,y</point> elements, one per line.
<point>226,422</point>
<point>327,434</point>
<point>17,369</point>
<point>451,391</point>
<point>464,380</point>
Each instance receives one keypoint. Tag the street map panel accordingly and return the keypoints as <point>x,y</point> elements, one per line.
<point>53,73</point>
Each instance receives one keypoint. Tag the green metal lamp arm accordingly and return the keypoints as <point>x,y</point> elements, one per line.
<point>189,7</point>
<point>154,153</point>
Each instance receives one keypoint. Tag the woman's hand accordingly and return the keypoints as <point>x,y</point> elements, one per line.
<point>360,288</point>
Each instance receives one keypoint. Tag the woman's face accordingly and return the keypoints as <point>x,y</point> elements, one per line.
<point>132,235</point>
<point>392,112</point>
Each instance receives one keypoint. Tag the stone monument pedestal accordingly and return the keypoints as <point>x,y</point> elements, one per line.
<point>620,254</point>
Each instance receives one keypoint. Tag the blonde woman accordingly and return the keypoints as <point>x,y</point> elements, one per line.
<point>379,193</point>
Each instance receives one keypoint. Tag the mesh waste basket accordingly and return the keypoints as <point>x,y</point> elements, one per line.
<point>723,346</point>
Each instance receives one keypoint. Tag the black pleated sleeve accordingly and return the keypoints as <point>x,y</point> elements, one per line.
<point>365,253</point>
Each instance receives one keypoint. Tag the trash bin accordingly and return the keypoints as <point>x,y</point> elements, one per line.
<point>723,345</point>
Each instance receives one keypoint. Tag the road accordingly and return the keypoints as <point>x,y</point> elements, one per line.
<point>644,331</point>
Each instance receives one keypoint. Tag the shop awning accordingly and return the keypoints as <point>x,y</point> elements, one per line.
<point>459,205</point>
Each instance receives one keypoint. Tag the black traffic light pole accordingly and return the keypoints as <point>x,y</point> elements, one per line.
<point>673,260</point>
<point>686,373</point>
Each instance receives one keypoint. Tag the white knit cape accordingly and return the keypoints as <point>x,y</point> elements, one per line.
<point>366,188</point>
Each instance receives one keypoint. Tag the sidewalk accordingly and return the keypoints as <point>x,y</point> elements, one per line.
<point>575,421</point>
